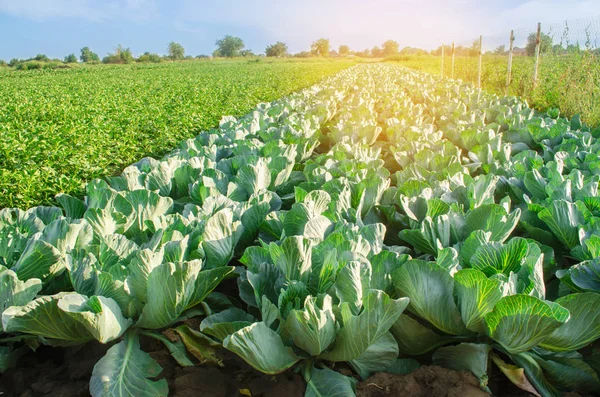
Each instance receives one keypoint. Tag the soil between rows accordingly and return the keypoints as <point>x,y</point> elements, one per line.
<point>65,372</point>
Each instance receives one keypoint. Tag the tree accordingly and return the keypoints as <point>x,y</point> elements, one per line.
<point>344,50</point>
<point>41,58</point>
<point>545,44</point>
<point>390,47</point>
<point>229,46</point>
<point>278,49</point>
<point>376,52</point>
<point>71,58</point>
<point>88,56</point>
<point>363,54</point>
<point>320,48</point>
<point>176,51</point>
<point>246,53</point>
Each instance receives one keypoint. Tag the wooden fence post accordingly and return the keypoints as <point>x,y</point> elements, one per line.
<point>480,59</point>
<point>453,60</point>
<point>537,54</point>
<point>510,59</point>
<point>443,59</point>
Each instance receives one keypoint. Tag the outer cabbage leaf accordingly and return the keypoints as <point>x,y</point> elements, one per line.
<point>477,295</point>
<point>14,292</point>
<point>430,289</point>
<point>124,371</point>
<point>176,288</point>
<point>521,322</point>
<point>262,348</point>
<point>583,326</point>
<point>328,383</point>
<point>379,313</point>
<point>68,317</point>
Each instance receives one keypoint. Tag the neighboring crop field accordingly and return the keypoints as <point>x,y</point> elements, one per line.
<point>570,83</point>
<point>381,220</point>
<point>59,129</point>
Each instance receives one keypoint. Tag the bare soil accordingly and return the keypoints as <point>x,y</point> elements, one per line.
<point>65,372</point>
<point>424,382</point>
<point>55,372</point>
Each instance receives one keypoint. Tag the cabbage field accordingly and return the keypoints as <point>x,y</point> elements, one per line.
<point>377,221</point>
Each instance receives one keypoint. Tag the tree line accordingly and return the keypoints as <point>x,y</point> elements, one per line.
<point>232,46</point>
<point>226,47</point>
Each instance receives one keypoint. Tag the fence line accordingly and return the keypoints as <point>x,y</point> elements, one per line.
<point>538,42</point>
<point>510,57</point>
<point>552,65</point>
<point>576,36</point>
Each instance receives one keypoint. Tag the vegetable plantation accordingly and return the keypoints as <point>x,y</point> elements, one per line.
<point>63,128</point>
<point>377,221</point>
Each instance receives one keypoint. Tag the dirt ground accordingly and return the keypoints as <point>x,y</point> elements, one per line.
<point>424,382</point>
<point>56,372</point>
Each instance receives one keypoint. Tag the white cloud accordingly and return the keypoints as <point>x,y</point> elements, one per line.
<point>358,23</point>
<point>95,10</point>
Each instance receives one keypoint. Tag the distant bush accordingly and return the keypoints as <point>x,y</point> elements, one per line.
<point>112,59</point>
<point>121,55</point>
<point>3,63</point>
<point>149,58</point>
<point>303,54</point>
<point>202,56</point>
<point>38,65</point>
<point>41,58</point>
<point>30,65</point>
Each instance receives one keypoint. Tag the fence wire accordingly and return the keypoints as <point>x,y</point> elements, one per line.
<point>568,66</point>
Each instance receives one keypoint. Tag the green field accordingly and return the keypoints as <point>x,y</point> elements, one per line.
<point>61,128</point>
<point>381,221</point>
<point>570,83</point>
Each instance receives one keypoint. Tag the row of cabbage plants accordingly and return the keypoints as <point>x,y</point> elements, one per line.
<point>378,221</point>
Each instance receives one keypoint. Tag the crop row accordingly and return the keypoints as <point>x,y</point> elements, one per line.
<point>380,216</point>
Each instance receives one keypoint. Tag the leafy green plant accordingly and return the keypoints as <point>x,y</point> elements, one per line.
<point>381,216</point>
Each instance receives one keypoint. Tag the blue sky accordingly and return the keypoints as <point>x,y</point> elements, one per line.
<point>60,27</point>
